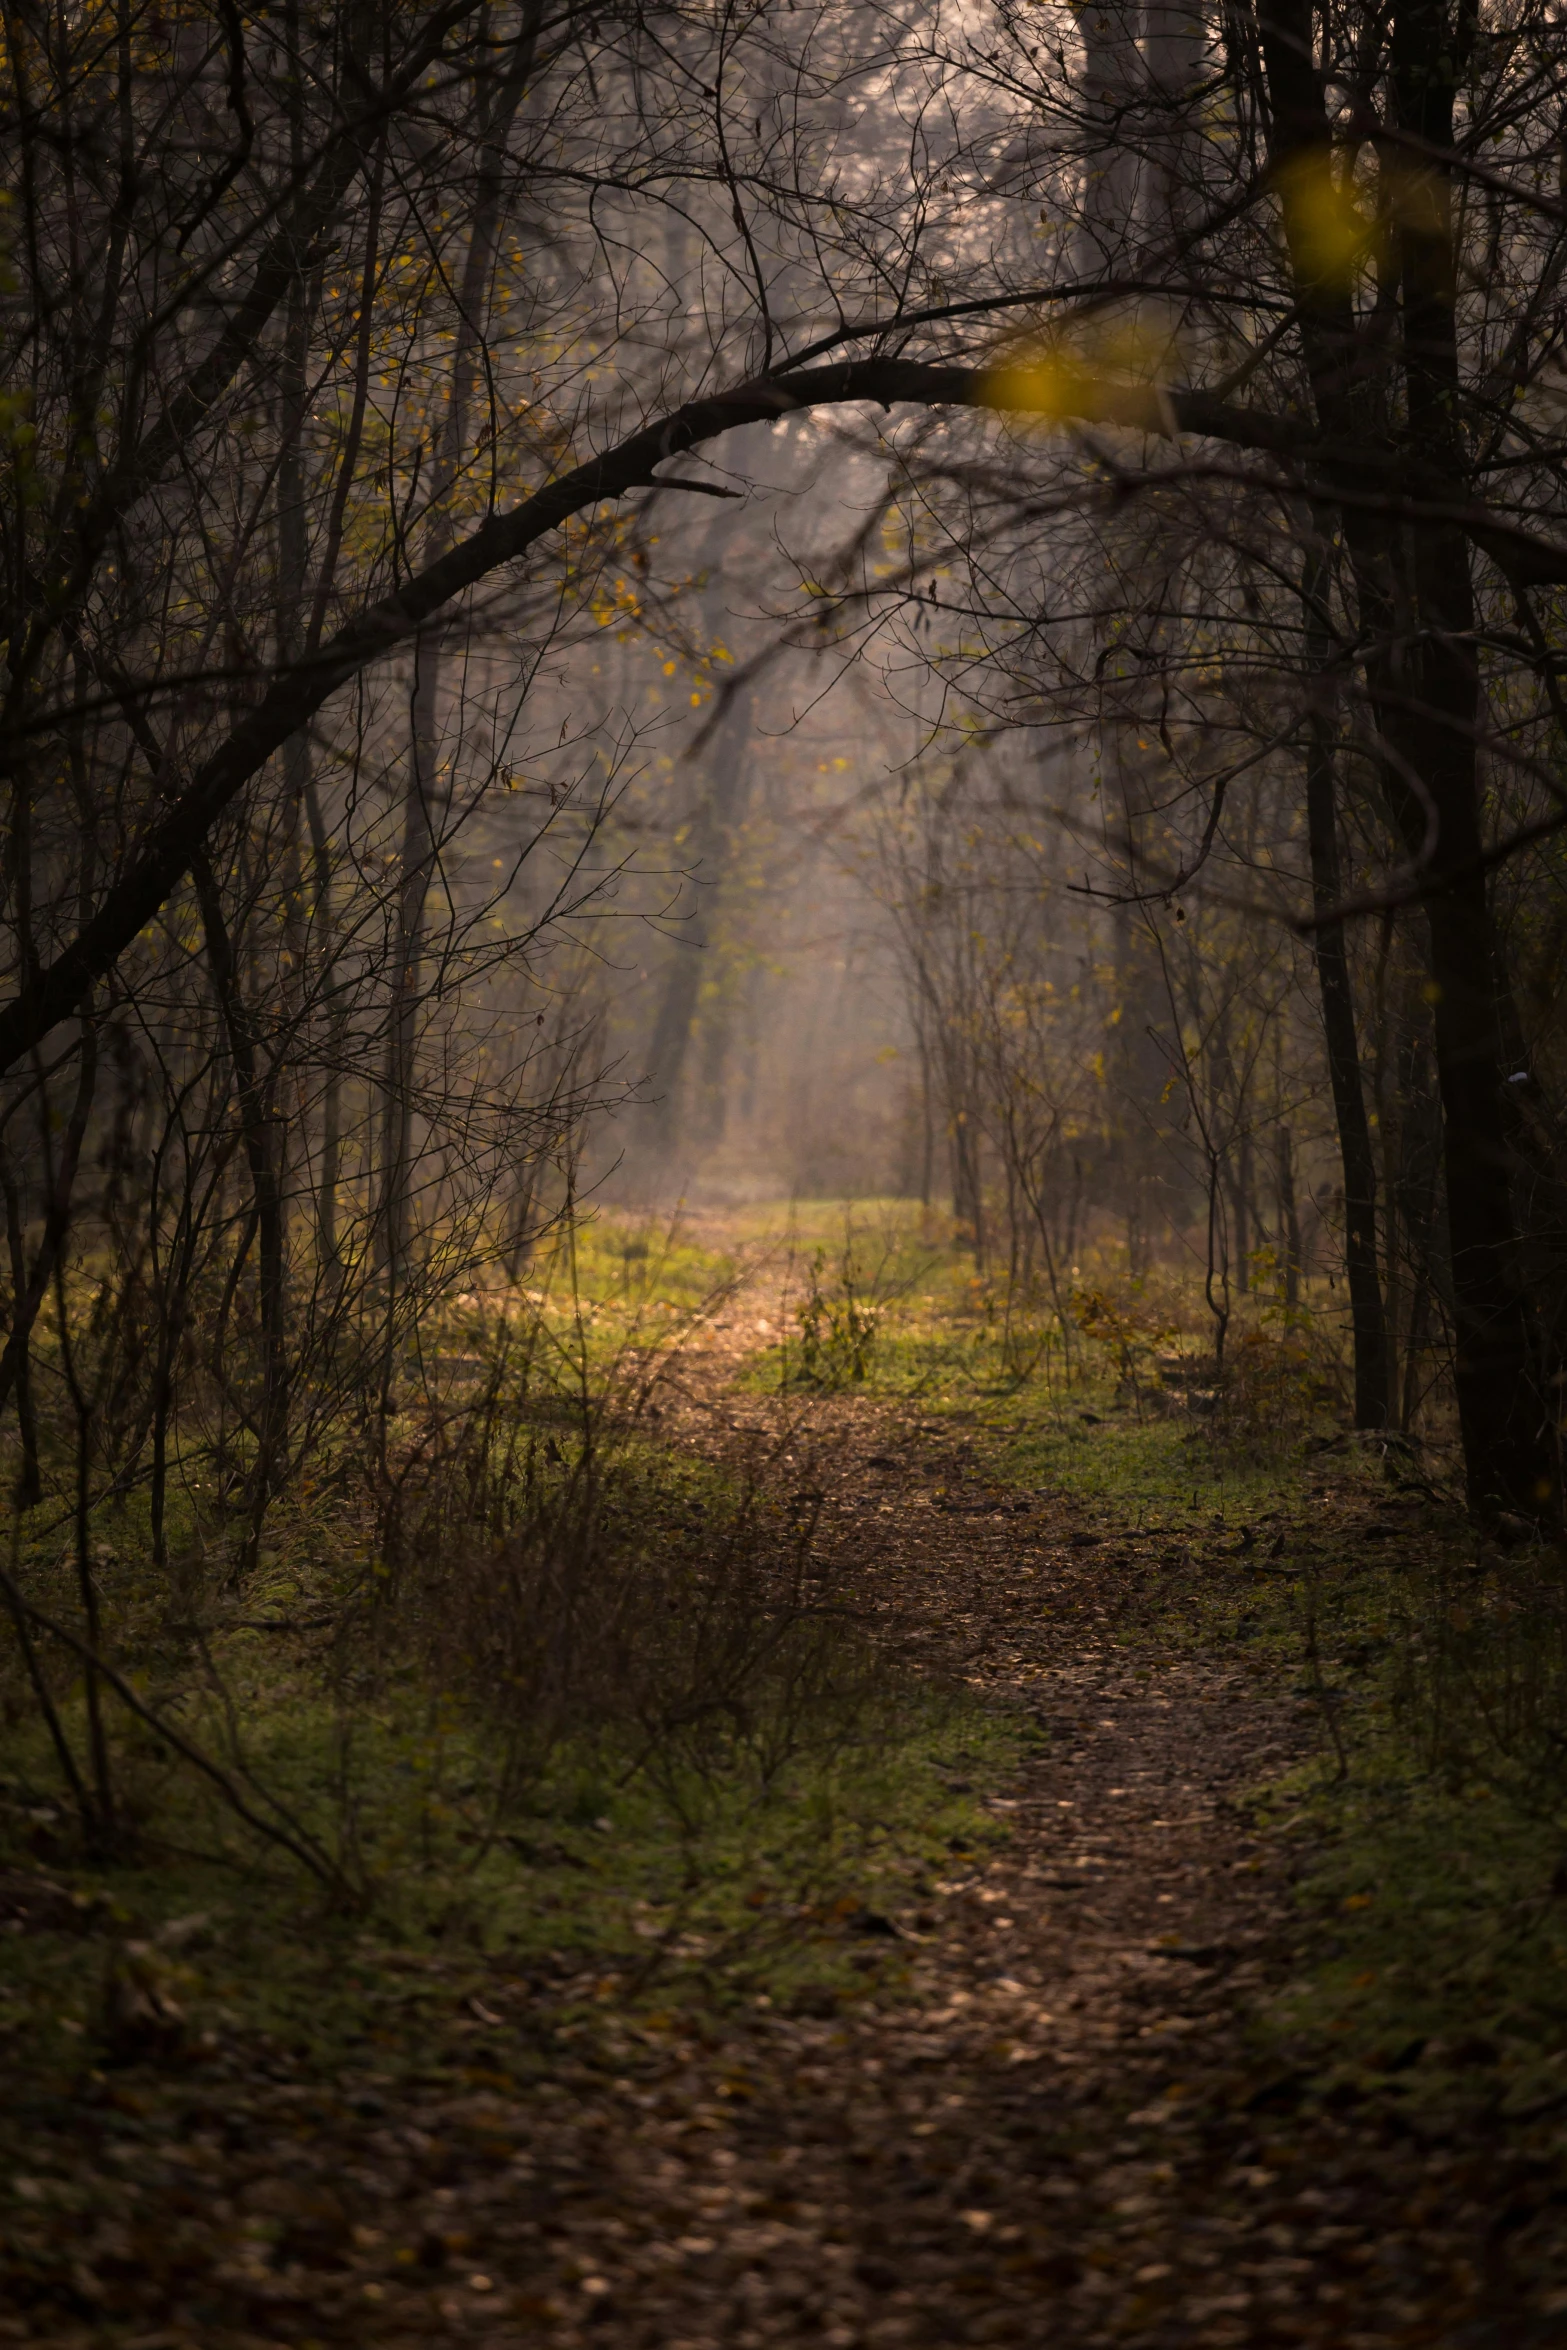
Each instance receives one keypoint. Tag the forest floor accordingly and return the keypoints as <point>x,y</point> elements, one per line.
<point>1053,2111</point>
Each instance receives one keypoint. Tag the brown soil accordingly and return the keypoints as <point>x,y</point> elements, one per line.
<point>1057,2130</point>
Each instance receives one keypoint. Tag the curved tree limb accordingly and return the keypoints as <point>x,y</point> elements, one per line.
<point>1050,391</point>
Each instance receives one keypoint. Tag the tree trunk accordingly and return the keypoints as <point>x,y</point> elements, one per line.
<point>1289,1222</point>
<point>1240,1202</point>
<point>29,1485</point>
<point>710,847</point>
<point>1368,1323</point>
<point>1417,612</point>
<point>257,1132</point>
<point>426,797</point>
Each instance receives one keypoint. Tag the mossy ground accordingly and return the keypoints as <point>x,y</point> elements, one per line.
<point>543,2030</point>
<point>1431,1911</point>
<point>1432,1899</point>
<point>748,1895</point>
<point>656,1877</point>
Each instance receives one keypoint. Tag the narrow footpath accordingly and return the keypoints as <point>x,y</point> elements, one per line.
<point>1052,2122</point>
<point>1066,2135</point>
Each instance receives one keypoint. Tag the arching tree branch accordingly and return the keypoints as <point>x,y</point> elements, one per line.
<point>1061,393</point>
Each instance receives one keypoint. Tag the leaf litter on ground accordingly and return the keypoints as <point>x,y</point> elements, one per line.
<point>1112,2059</point>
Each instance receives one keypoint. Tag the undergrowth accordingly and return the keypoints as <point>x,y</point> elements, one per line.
<point>642,1899</point>
<point>529,1684</point>
<point>1430,1665</point>
<point>512,1681</point>
<point>1430,1823</point>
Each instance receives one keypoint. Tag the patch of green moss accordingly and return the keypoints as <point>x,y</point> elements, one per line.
<point>711,1893</point>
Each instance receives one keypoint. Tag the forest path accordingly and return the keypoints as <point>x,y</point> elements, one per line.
<point>1063,2131</point>
<point>1047,2123</point>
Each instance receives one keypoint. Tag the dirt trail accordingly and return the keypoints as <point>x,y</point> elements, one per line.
<point>1056,2132</point>
<point>1065,2134</point>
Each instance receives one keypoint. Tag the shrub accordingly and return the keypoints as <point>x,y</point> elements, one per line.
<point>839,1325</point>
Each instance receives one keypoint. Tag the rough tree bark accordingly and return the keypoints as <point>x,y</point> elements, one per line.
<point>1417,613</point>
<point>708,849</point>
<point>1381,496</point>
<point>426,798</point>
<point>1368,1322</point>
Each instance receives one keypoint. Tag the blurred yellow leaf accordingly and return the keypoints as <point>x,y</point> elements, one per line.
<point>1330,238</point>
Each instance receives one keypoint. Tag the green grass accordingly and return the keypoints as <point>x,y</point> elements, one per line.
<point>1435,1947</point>
<point>611,1288</point>
<point>1429,1916</point>
<point>724,1865</point>
<point>1148,1470</point>
<point>632,1266</point>
<point>735,1893</point>
<point>1432,1936</point>
<point>1433,1900</point>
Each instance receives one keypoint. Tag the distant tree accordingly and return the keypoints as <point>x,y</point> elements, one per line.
<point>1356,242</point>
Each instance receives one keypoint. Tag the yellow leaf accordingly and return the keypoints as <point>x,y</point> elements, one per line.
<point>1330,240</point>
